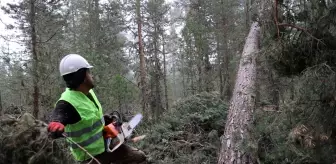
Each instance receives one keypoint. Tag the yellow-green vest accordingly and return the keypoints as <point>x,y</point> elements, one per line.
<point>88,132</point>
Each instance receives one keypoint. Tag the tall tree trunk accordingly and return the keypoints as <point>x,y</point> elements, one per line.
<point>96,24</point>
<point>119,104</point>
<point>183,73</point>
<point>225,68</point>
<point>1,109</point>
<point>199,69</point>
<point>220,70</point>
<point>174,94</point>
<point>220,31</point>
<point>242,105</point>
<point>157,74</point>
<point>158,102</point>
<point>142,61</point>
<point>207,72</point>
<point>91,26</point>
<point>73,25</point>
<point>35,59</point>
<point>165,72</point>
<point>248,13</point>
<point>223,54</point>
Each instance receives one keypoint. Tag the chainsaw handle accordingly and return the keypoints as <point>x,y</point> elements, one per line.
<point>107,145</point>
<point>121,140</point>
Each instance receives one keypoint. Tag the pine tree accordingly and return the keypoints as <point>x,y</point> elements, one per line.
<point>29,15</point>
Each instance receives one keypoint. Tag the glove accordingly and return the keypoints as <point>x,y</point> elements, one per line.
<point>56,129</point>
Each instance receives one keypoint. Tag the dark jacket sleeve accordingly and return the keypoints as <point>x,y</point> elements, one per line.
<point>65,113</point>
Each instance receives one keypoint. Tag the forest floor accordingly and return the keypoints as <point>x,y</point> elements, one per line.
<point>188,133</point>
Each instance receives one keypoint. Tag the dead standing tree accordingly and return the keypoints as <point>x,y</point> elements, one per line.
<point>242,104</point>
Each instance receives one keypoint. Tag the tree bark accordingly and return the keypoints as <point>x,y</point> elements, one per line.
<point>35,59</point>
<point>165,72</point>
<point>242,105</point>
<point>142,61</point>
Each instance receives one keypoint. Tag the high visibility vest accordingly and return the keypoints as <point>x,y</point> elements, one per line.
<point>88,132</point>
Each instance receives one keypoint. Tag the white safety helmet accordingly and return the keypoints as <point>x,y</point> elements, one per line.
<point>72,63</point>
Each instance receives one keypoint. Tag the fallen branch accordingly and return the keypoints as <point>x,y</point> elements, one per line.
<point>138,138</point>
<point>8,121</point>
<point>189,143</point>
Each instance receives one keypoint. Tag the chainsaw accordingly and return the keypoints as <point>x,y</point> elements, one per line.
<point>117,132</point>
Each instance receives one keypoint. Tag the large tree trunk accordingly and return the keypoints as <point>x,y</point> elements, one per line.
<point>35,59</point>
<point>142,61</point>
<point>242,105</point>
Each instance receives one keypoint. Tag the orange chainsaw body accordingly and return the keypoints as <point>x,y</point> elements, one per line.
<point>110,131</point>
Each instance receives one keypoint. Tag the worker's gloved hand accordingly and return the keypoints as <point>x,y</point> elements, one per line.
<point>56,129</point>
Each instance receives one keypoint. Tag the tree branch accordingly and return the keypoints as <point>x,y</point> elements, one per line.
<point>49,38</point>
<point>289,25</point>
<point>299,28</point>
<point>184,142</point>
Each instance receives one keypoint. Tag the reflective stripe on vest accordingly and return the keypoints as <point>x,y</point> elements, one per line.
<point>88,141</point>
<point>86,130</point>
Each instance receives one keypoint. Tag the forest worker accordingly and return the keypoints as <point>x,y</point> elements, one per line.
<point>79,114</point>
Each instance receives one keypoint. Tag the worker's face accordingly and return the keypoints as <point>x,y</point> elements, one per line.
<point>89,79</point>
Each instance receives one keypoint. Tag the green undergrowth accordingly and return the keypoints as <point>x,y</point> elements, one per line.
<point>303,130</point>
<point>189,133</point>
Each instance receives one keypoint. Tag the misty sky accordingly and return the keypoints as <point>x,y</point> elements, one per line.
<point>11,45</point>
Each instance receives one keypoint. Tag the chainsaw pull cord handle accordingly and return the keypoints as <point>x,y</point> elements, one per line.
<point>117,114</point>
